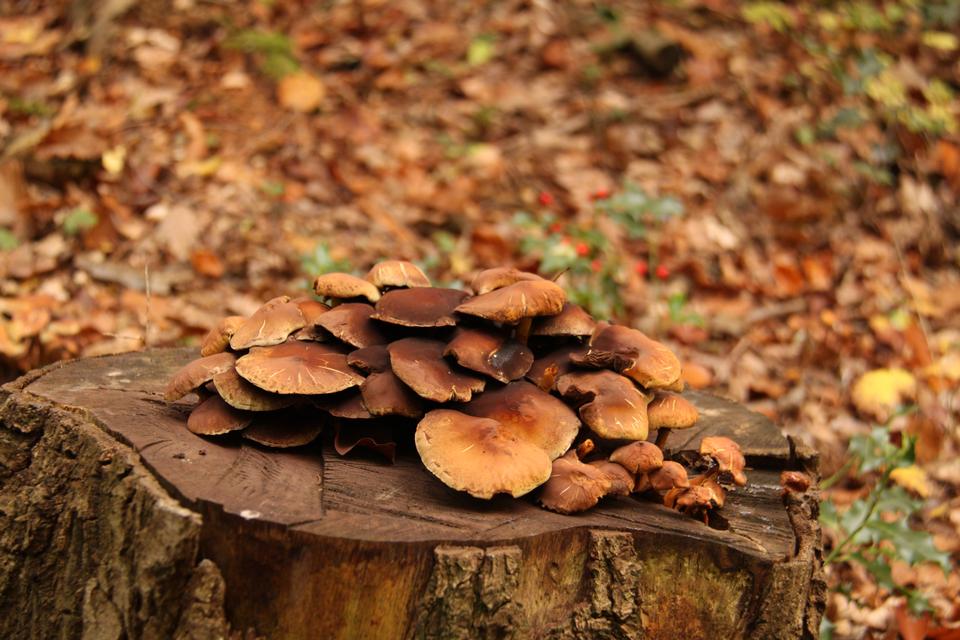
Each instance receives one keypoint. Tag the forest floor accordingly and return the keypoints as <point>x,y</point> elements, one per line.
<point>769,188</point>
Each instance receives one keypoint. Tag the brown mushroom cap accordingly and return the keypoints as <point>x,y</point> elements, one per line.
<point>420,364</point>
<point>384,394</point>
<point>285,429</point>
<point>271,324</point>
<point>670,476</point>
<point>240,394</point>
<point>513,303</point>
<point>671,411</point>
<point>479,456</point>
<point>311,309</point>
<point>396,273</point>
<point>351,323</point>
<point>218,338</point>
<point>491,353</point>
<point>346,404</point>
<point>616,410</point>
<point>531,414</point>
<point>728,456</point>
<point>197,373</point>
<point>571,321</point>
<point>697,499</point>
<point>638,457</point>
<point>499,277</point>
<point>628,351</point>
<point>621,482</point>
<point>213,417</point>
<point>547,369</point>
<point>298,367</point>
<point>366,434</point>
<point>343,286</point>
<point>420,307</point>
<point>373,359</point>
<point>573,486</point>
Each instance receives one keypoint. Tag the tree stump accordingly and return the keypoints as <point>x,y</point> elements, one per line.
<point>116,522</point>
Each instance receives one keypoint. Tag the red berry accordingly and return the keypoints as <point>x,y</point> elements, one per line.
<point>545,198</point>
<point>582,249</point>
<point>662,271</point>
<point>601,194</point>
<point>596,265</point>
<point>556,227</point>
<point>641,268</point>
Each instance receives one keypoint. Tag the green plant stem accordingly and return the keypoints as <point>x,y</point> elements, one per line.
<point>874,501</point>
<point>837,475</point>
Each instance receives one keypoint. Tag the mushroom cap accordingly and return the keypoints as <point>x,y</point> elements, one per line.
<point>670,476</point>
<point>491,353</point>
<point>571,321</point>
<point>573,486</point>
<point>342,286</point>
<point>298,367</point>
<point>351,323</point>
<point>531,414</point>
<point>638,457</point>
<point>372,359</point>
<point>514,302</point>
<point>728,456</point>
<point>491,279</point>
<point>671,411</point>
<point>794,482</point>
<point>698,498</point>
<point>271,324</point>
<point>366,434</point>
<point>346,404</point>
<point>420,364</point>
<point>197,373</point>
<point>384,394</point>
<point>213,417</point>
<point>616,410</point>
<point>285,429</point>
<point>621,481</point>
<point>478,455</point>
<point>548,368</point>
<point>311,309</point>
<point>649,363</point>
<point>420,307</point>
<point>240,394</point>
<point>396,273</point>
<point>218,338</point>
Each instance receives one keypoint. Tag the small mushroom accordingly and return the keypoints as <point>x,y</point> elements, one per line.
<point>628,351</point>
<point>343,286</point>
<point>517,303</point>
<point>197,373</point>
<point>698,500</point>
<point>384,394</point>
<point>571,321</point>
<point>491,353</point>
<point>240,394</point>
<point>218,338</point>
<point>345,404</point>
<point>726,453</point>
<point>573,486</point>
<point>671,475</point>
<point>373,359</point>
<point>298,368</point>
<point>284,429</point>
<point>794,482</point>
<point>640,459</point>
<point>420,307</point>
<point>548,368</point>
<point>396,274</point>
<point>615,409</point>
<point>621,482</point>
<point>420,364</point>
<point>271,324</point>
<point>351,323</point>
<point>214,417</point>
<point>499,277</point>
<point>670,411</point>
<point>310,308</point>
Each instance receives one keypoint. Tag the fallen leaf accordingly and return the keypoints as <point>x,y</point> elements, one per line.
<point>912,478</point>
<point>301,91</point>
<point>878,393</point>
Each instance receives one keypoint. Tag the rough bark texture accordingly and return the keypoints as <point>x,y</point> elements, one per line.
<point>116,522</point>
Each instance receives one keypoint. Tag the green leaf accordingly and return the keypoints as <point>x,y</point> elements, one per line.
<point>482,49</point>
<point>78,221</point>
<point>8,241</point>
<point>912,546</point>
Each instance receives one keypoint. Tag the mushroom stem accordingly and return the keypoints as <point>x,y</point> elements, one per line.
<point>662,434</point>
<point>585,447</point>
<point>523,330</point>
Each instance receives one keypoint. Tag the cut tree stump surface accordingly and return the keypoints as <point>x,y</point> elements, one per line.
<point>306,543</point>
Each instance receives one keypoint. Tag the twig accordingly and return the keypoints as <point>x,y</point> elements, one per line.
<point>146,323</point>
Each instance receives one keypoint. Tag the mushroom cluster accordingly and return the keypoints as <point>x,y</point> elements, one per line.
<point>504,388</point>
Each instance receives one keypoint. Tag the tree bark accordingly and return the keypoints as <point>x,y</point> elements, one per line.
<point>116,522</point>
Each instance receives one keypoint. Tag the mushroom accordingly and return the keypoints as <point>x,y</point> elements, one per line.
<point>271,324</point>
<point>499,277</point>
<point>548,368</point>
<point>419,363</point>
<point>615,409</point>
<point>372,359</point>
<point>670,411</point>
<point>384,394</point>
<point>728,457</point>
<point>218,338</point>
<point>491,353</point>
<point>197,373</point>
<point>793,482</point>
<point>240,394</point>
<point>640,459</point>
<point>517,303</point>
<point>214,417</point>
<point>420,307</point>
<point>351,323</point>
<point>697,500</point>
<point>571,321</point>
<point>573,486</point>
<point>621,481</point>
<point>284,429</point>
<point>311,310</point>
<point>478,455</point>
<point>396,273</point>
<point>298,367</point>
<point>628,351</point>
<point>366,434</point>
<point>346,404</point>
<point>343,286</point>
<point>531,414</point>
<point>671,475</point>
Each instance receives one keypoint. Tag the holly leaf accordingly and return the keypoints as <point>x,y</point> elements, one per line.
<point>912,546</point>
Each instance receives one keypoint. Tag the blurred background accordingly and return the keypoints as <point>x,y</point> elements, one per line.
<point>769,188</point>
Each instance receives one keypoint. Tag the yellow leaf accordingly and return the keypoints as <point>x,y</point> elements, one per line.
<point>301,92</point>
<point>943,40</point>
<point>912,478</point>
<point>202,168</point>
<point>114,159</point>
<point>878,393</point>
